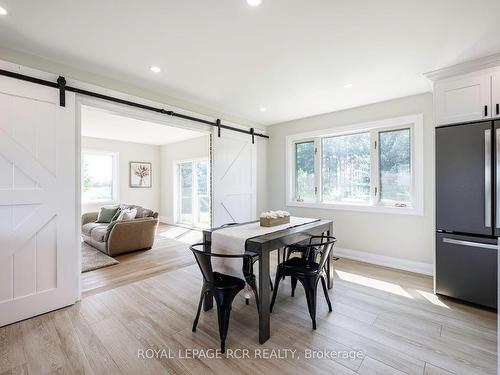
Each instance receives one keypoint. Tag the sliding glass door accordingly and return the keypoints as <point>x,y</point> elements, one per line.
<point>193,193</point>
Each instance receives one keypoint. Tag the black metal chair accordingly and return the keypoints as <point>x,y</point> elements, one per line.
<point>308,272</point>
<point>302,247</point>
<point>224,288</point>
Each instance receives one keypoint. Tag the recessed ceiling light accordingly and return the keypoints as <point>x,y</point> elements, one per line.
<point>254,3</point>
<point>3,11</point>
<point>263,109</point>
<point>155,69</point>
<point>348,85</point>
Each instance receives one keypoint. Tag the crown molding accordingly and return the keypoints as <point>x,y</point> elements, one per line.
<point>485,62</point>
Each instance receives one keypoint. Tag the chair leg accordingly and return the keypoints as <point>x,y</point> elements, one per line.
<point>310,290</point>
<point>275,291</point>
<point>294,285</point>
<point>195,323</point>
<point>325,290</point>
<point>223,315</point>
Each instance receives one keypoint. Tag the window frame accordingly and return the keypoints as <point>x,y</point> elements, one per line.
<point>413,122</point>
<point>115,177</point>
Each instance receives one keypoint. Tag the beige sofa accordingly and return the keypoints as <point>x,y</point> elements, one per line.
<point>119,237</point>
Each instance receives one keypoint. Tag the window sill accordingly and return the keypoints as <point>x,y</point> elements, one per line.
<point>360,208</point>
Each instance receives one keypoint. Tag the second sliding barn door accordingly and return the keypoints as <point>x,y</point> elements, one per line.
<point>233,178</point>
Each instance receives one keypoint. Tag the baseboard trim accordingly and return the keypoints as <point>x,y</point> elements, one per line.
<point>385,261</point>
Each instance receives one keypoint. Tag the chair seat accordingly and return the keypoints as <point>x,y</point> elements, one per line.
<point>300,265</point>
<point>223,281</point>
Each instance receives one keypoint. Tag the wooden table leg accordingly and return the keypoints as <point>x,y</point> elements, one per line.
<point>329,265</point>
<point>208,301</point>
<point>264,296</point>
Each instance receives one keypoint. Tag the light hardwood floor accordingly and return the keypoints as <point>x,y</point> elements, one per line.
<point>169,252</point>
<point>390,317</point>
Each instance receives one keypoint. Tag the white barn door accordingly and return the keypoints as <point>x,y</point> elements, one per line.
<point>234,194</point>
<point>38,234</point>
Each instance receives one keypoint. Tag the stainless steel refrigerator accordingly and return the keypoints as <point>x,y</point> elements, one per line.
<point>468,211</point>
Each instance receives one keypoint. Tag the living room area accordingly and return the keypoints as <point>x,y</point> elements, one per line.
<point>145,195</point>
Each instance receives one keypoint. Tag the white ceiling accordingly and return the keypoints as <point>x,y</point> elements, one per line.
<point>291,56</point>
<point>102,124</point>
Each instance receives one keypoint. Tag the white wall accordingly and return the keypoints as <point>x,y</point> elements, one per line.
<point>191,149</point>
<point>128,151</point>
<point>390,239</point>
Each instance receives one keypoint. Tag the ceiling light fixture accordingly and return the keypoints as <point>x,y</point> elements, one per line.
<point>155,69</point>
<point>263,109</point>
<point>3,11</point>
<point>348,85</point>
<point>254,3</point>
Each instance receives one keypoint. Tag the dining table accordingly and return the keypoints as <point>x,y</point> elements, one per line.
<point>264,245</point>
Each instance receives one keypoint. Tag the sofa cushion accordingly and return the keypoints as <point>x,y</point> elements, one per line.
<point>87,228</point>
<point>99,233</point>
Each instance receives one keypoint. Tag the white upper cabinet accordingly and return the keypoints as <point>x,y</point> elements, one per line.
<point>465,98</point>
<point>495,95</point>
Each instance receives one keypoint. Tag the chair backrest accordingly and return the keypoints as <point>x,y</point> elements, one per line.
<point>324,245</point>
<point>204,259</point>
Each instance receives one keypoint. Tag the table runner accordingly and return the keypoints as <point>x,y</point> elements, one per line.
<point>231,240</point>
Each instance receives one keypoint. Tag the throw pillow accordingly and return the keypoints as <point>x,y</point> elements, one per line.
<point>106,214</point>
<point>116,215</point>
<point>128,214</point>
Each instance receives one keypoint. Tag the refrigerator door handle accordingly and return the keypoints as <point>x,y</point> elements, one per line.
<point>497,182</point>
<point>469,243</point>
<point>487,178</point>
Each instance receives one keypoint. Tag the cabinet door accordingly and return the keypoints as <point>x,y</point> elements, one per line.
<point>463,99</point>
<point>464,178</point>
<point>495,95</point>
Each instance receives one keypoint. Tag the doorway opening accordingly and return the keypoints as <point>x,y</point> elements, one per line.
<point>151,176</point>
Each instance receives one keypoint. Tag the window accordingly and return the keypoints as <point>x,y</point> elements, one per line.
<point>99,177</point>
<point>395,166</point>
<point>368,167</point>
<point>304,170</point>
<point>193,199</point>
<point>345,162</point>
